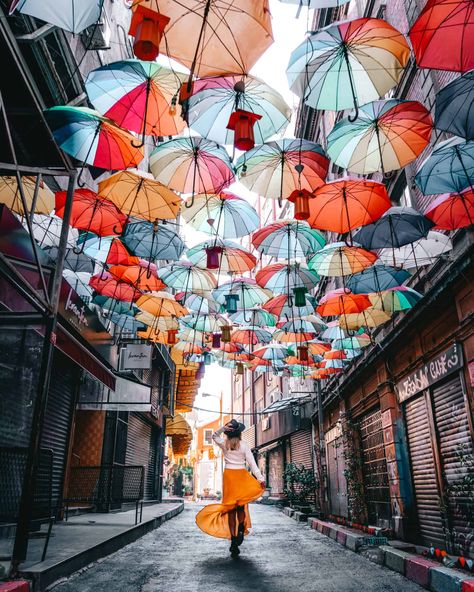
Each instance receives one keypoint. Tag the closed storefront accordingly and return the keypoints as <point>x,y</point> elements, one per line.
<point>275,468</point>
<point>337,486</point>
<point>138,442</point>
<point>301,446</point>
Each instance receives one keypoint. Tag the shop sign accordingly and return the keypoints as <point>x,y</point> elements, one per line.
<point>127,396</point>
<point>135,356</point>
<point>435,370</point>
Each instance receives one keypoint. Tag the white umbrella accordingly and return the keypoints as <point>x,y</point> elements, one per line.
<point>71,15</point>
<point>79,282</point>
<point>47,230</point>
<point>422,252</point>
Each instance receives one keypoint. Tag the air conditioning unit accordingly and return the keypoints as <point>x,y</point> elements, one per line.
<point>97,36</point>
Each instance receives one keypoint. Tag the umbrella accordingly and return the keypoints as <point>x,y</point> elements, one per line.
<point>454,111</point>
<point>126,323</point>
<point>386,136</point>
<point>78,280</point>
<point>283,307</point>
<point>317,348</point>
<point>376,278</point>
<point>342,301</point>
<point>276,169</point>
<point>452,211</point>
<point>293,336</point>
<point>215,99</point>
<point>354,342</point>
<point>197,303</point>
<point>399,226</point>
<point>92,139</point>
<point>78,262</point>
<point>348,64</point>
<point>230,257</point>
<point>338,259</point>
<point>206,323</point>
<point>113,306</point>
<point>106,249</point>
<point>106,285</point>
<point>316,4</point>
<point>290,239</point>
<point>10,195</point>
<point>272,352</point>
<point>443,35</point>
<point>91,212</point>
<point>153,241</point>
<point>138,194</point>
<point>450,168</point>
<point>333,332</point>
<point>257,317</point>
<point>246,290</point>
<point>299,325</point>
<point>251,335</point>
<point>370,317</point>
<point>212,38</point>
<point>422,252</point>
<point>71,15</point>
<point>345,204</point>
<point>395,299</point>
<point>47,230</point>
<point>158,323</point>
<point>138,96</point>
<point>186,277</point>
<point>283,277</point>
<point>142,278</point>
<point>192,165</point>
<point>224,214</point>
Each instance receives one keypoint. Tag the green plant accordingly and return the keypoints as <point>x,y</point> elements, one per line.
<point>300,483</point>
<point>353,472</point>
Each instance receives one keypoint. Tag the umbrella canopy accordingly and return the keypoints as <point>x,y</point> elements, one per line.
<point>91,212</point>
<point>283,307</point>
<point>251,335</point>
<point>113,306</point>
<point>205,323</point>
<point>142,278</point>
<point>78,280</point>
<point>290,239</point>
<point>106,249</point>
<point>276,169</point>
<point>386,136</point>
<point>376,278</point>
<point>78,262</point>
<point>450,168</point>
<point>395,299</point>
<point>333,332</point>
<point>422,252</point>
<point>106,285</point>
<point>452,211</point>
<point>137,95</point>
<point>153,241</point>
<point>342,301</point>
<point>186,277</point>
<point>10,195</point>
<point>160,323</point>
<point>348,64</point>
<point>247,290</point>
<point>370,317</point>
<point>293,336</point>
<point>233,258</point>
<point>338,259</point>
<point>318,348</point>
<point>283,277</point>
<point>92,139</point>
<point>399,226</point>
<point>355,342</point>
<point>272,352</point>
<point>192,165</point>
<point>215,99</point>
<point>138,194</point>
<point>316,3</point>
<point>225,214</point>
<point>197,303</point>
<point>70,15</point>
<point>443,35</point>
<point>454,110</point>
<point>212,38</point>
<point>299,325</point>
<point>253,316</point>
<point>345,204</point>
<point>47,230</point>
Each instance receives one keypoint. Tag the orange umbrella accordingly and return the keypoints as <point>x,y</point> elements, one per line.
<point>318,348</point>
<point>141,277</point>
<point>161,304</point>
<point>118,254</point>
<point>335,354</point>
<point>342,302</point>
<point>106,285</point>
<point>324,373</point>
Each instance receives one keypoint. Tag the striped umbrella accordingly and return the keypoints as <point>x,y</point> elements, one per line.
<point>247,291</point>
<point>338,259</point>
<point>290,239</point>
<point>395,299</point>
<point>153,241</point>
<point>424,251</point>
<point>283,307</point>
<point>186,277</point>
<point>350,343</point>
<point>253,316</point>
<point>283,277</point>
<point>198,303</point>
<point>232,257</point>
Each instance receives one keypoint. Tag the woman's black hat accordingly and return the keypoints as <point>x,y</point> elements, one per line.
<point>234,428</point>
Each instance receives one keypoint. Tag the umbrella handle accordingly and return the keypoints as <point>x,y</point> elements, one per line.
<point>79,181</point>
<point>77,251</point>
<point>117,230</point>
<point>191,203</point>
<point>142,143</point>
<point>356,115</point>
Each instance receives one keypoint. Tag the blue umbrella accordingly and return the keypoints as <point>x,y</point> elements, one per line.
<point>455,107</point>
<point>114,306</point>
<point>376,278</point>
<point>153,241</point>
<point>126,322</point>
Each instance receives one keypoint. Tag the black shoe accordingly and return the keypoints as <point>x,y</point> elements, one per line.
<point>234,548</point>
<point>240,534</point>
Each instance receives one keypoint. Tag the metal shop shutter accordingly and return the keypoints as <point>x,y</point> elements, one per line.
<point>151,474</point>
<point>138,443</point>
<point>337,484</point>
<point>424,471</point>
<point>275,470</point>
<point>302,448</point>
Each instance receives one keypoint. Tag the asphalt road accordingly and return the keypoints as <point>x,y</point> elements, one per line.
<point>279,556</point>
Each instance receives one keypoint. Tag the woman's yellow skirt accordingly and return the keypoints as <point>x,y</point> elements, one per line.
<point>239,489</point>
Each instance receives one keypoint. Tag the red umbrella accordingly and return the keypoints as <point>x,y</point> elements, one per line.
<point>452,210</point>
<point>92,213</point>
<point>443,35</point>
<point>106,285</point>
<point>118,254</point>
<point>138,276</point>
<point>342,301</point>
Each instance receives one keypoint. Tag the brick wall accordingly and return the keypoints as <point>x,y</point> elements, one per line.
<point>88,438</point>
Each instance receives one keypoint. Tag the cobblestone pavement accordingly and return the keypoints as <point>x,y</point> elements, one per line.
<point>279,556</point>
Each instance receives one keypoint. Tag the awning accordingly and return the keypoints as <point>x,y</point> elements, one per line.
<point>284,403</point>
<point>178,426</point>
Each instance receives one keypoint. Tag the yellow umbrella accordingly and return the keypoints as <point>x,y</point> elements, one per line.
<point>10,195</point>
<point>160,304</point>
<point>370,317</point>
<point>158,323</point>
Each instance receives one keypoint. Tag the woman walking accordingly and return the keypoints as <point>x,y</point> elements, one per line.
<point>231,519</point>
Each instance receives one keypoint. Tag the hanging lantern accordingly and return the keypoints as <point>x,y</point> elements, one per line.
<point>172,108</point>
<point>242,122</point>
<point>231,302</point>
<point>213,257</point>
<point>147,26</point>
<point>300,295</point>
<point>207,358</point>
<point>303,353</point>
<point>171,336</point>
<point>301,197</point>
<point>239,369</point>
<point>226,329</point>
<point>216,340</point>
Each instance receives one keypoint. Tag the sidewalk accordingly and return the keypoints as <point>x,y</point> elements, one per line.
<point>88,537</point>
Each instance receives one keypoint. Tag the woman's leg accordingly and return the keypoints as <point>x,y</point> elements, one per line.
<point>241,515</point>
<point>232,522</point>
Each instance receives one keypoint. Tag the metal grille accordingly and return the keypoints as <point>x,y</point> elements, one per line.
<point>105,484</point>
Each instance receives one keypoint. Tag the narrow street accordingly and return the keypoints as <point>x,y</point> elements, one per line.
<point>280,556</point>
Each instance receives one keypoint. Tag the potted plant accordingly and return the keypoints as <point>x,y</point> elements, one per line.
<point>300,484</point>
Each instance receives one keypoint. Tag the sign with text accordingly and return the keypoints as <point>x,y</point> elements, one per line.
<point>435,370</point>
<point>134,356</point>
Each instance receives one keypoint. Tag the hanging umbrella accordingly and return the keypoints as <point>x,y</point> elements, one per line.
<point>338,259</point>
<point>192,165</point>
<point>160,304</point>
<point>257,317</point>
<point>443,35</point>
<point>106,285</point>
<point>395,299</point>
<point>206,323</point>
<point>422,252</point>
<point>284,277</point>
<point>333,332</point>
<point>78,280</point>
<point>387,135</point>
<point>293,337</point>
<point>317,348</point>
<point>370,317</point>
<point>186,277</point>
<point>342,301</point>
<point>137,194</point>
<point>399,226</point>
<point>450,168</point>
<point>139,96</point>
<point>187,348</point>
<point>276,169</point>
<point>315,321</point>
<point>316,4</point>
<point>272,352</point>
<point>142,278</point>
<point>454,110</point>
<point>227,256</point>
<point>348,64</point>
<point>246,290</point>
<point>283,306</point>
<point>126,323</point>
<point>354,342</point>
<point>251,335</point>
<point>160,323</point>
<point>215,99</point>
<point>153,241</point>
<point>92,139</point>
<point>78,262</point>
<point>112,306</point>
<point>299,325</point>
<point>195,337</point>
<point>197,303</point>
<point>225,214</point>
<point>290,239</point>
<point>91,212</point>
<point>345,204</point>
<point>47,230</point>
<point>70,15</point>
<point>376,278</point>
<point>10,195</point>
<point>452,211</point>
<point>105,249</point>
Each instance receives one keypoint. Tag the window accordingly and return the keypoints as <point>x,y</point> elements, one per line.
<point>208,437</point>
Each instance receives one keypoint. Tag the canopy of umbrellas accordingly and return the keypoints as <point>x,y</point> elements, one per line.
<point>208,302</point>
